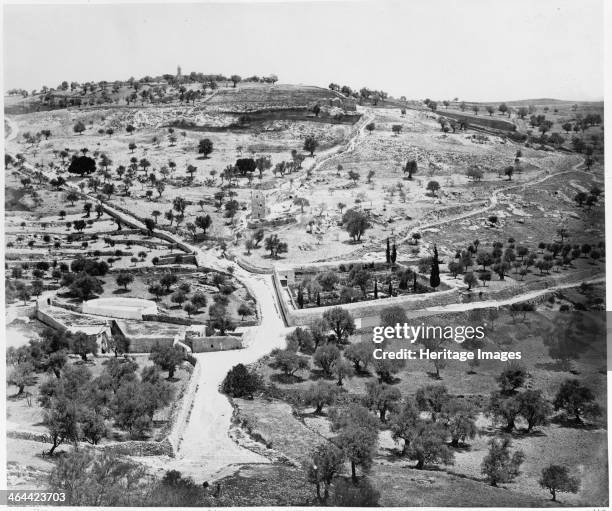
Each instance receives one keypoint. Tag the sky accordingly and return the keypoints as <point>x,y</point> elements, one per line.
<point>480,50</point>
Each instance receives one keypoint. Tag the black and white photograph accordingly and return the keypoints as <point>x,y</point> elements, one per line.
<point>303,253</point>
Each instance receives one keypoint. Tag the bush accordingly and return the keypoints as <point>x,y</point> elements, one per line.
<point>240,382</point>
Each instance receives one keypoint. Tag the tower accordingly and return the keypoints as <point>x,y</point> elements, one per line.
<point>258,205</point>
<point>178,73</point>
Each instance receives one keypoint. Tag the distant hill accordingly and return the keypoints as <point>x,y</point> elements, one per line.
<point>549,101</point>
<point>245,97</point>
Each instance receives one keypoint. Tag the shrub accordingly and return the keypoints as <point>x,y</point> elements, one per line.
<point>240,382</point>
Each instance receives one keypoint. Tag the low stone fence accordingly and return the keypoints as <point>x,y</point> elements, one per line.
<point>369,311</point>
<point>127,448</point>
<point>253,224</point>
<point>28,435</point>
<point>157,233</point>
<point>245,265</point>
<point>487,122</point>
<point>139,448</point>
<point>181,414</point>
<point>163,318</point>
<point>21,312</point>
<point>180,258</point>
<point>67,306</point>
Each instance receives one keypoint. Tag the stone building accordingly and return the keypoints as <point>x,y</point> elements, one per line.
<point>258,205</point>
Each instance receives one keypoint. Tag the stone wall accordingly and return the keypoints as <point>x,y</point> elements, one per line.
<point>127,448</point>
<point>139,448</point>
<point>163,318</point>
<point>49,320</point>
<point>184,259</point>
<point>487,122</point>
<point>251,268</point>
<point>181,414</point>
<point>214,343</point>
<point>146,344</point>
<point>369,311</point>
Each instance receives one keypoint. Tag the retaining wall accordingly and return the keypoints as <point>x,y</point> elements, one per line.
<point>488,122</point>
<point>180,418</point>
<point>185,259</point>
<point>127,448</point>
<point>146,344</point>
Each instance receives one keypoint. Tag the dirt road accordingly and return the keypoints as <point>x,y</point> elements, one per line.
<point>206,452</point>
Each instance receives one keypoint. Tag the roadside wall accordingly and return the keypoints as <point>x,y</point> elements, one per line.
<point>179,420</point>
<point>214,343</point>
<point>127,448</point>
<point>49,320</point>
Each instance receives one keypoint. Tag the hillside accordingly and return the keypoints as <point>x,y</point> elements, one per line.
<point>223,96</point>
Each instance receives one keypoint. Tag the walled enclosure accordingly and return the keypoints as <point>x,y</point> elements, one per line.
<point>123,308</point>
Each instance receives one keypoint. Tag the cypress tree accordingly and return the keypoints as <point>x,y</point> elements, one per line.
<point>318,299</point>
<point>393,254</point>
<point>375,289</point>
<point>388,252</point>
<point>300,298</point>
<point>390,289</point>
<point>434,279</point>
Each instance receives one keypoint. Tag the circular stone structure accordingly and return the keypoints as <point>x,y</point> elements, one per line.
<point>124,308</point>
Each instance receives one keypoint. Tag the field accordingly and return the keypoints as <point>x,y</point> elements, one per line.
<point>581,447</point>
<point>24,414</point>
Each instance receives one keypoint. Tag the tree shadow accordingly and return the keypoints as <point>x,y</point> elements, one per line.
<point>395,454</point>
<point>318,374</point>
<point>89,362</point>
<point>434,376</point>
<point>120,291</point>
<point>18,397</point>
<point>286,378</point>
<point>313,415</point>
<point>534,433</point>
<point>552,366</point>
<point>566,422</point>
<point>460,447</point>
<point>491,431</point>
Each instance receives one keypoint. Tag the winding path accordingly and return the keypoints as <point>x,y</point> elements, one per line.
<point>493,202</point>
